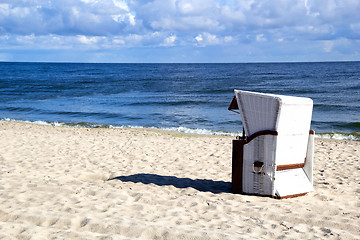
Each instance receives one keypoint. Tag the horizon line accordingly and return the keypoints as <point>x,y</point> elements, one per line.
<point>269,62</point>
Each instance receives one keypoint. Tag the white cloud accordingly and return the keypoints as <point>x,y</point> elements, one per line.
<point>211,38</point>
<point>170,41</point>
<point>131,18</point>
<point>309,12</point>
<point>121,4</point>
<point>118,41</point>
<point>207,39</point>
<point>228,39</point>
<point>356,28</point>
<point>4,10</point>
<point>89,1</point>
<point>328,45</point>
<point>184,17</point>
<point>199,38</point>
<point>260,37</point>
<point>141,23</point>
<point>77,17</point>
<point>88,40</point>
<point>123,18</point>
<point>27,39</point>
<point>186,7</point>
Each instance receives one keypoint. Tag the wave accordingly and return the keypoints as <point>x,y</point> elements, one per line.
<point>336,107</point>
<point>60,113</point>
<point>201,131</point>
<point>177,103</point>
<point>354,136</point>
<point>336,127</point>
<point>354,125</point>
<point>62,124</point>
<point>94,125</point>
<point>19,109</point>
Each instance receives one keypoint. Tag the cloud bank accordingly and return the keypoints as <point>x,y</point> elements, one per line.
<point>294,28</point>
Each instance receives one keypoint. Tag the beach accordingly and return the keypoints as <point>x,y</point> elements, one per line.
<point>127,183</point>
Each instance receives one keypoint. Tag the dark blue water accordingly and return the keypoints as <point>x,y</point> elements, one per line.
<point>187,97</point>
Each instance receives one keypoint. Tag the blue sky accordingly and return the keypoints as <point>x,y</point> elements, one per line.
<point>179,30</point>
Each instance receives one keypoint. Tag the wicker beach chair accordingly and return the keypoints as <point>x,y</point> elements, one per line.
<point>275,155</point>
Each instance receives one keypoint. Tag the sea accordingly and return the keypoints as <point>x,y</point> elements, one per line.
<point>186,97</point>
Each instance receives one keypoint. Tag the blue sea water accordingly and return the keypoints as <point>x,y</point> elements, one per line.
<point>181,97</point>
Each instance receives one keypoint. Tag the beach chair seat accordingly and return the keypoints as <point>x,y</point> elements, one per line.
<point>275,156</point>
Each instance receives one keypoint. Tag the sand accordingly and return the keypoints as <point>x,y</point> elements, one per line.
<point>79,183</point>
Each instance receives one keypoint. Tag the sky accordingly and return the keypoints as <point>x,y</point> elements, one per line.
<point>176,31</point>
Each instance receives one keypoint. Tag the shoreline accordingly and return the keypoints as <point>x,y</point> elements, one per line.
<point>355,136</point>
<point>88,183</point>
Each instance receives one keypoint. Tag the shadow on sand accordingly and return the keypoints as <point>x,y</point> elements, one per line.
<point>203,185</point>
